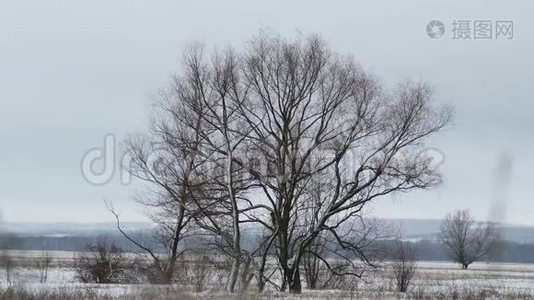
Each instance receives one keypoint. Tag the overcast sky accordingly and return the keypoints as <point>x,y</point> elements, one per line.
<point>73,71</point>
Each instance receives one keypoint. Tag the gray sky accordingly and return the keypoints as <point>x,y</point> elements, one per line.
<point>73,71</point>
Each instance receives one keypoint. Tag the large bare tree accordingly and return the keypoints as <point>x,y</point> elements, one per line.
<point>315,113</point>
<point>465,239</point>
<point>293,138</point>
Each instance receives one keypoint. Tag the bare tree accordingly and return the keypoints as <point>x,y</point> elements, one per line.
<point>211,91</point>
<point>404,264</point>
<point>7,262</point>
<point>8,242</point>
<point>465,239</point>
<point>43,265</point>
<point>101,263</point>
<point>167,160</point>
<point>312,263</point>
<point>275,121</point>
<point>314,112</point>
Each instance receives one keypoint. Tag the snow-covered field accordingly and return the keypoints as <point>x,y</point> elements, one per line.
<point>433,280</point>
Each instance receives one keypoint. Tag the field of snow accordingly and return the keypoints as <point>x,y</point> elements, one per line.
<point>433,280</point>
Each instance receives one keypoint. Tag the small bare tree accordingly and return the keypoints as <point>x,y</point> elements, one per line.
<point>43,265</point>
<point>7,262</point>
<point>101,263</point>
<point>7,242</point>
<point>312,264</point>
<point>202,270</point>
<point>466,240</point>
<point>404,264</point>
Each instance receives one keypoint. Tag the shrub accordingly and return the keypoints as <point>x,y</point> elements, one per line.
<point>101,263</point>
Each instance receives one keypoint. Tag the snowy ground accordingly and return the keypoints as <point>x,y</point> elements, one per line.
<point>434,280</point>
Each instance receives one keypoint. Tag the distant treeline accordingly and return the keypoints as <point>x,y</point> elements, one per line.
<point>503,251</point>
<point>61,243</point>
<point>427,250</point>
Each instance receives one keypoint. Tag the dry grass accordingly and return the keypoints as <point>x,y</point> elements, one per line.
<point>432,281</point>
<point>17,292</point>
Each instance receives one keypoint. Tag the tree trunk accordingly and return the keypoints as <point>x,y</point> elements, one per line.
<point>295,286</point>
<point>234,272</point>
<point>246,275</point>
<point>260,284</point>
<point>236,239</point>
